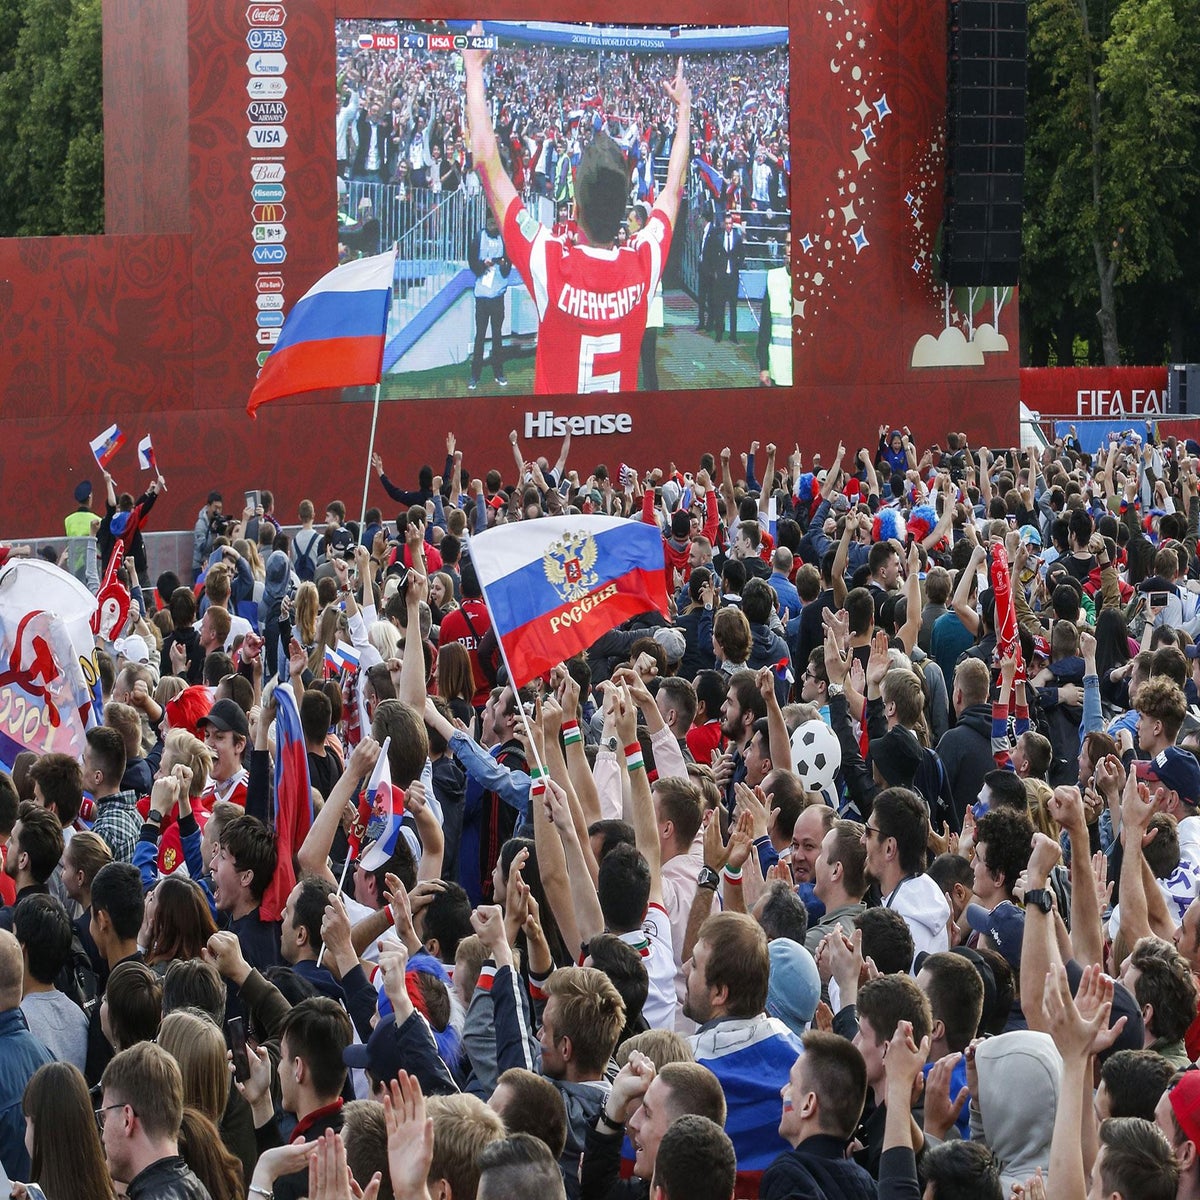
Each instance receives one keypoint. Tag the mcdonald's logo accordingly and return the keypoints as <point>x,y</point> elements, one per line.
<point>268,213</point>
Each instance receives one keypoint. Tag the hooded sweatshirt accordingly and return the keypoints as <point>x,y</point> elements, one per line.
<point>1020,1075</point>
<point>768,649</point>
<point>966,753</point>
<point>926,912</point>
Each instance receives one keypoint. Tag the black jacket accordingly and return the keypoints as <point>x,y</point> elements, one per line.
<point>167,1179</point>
<point>966,753</point>
<point>817,1169</point>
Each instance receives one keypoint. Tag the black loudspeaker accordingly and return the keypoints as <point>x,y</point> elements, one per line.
<point>985,142</point>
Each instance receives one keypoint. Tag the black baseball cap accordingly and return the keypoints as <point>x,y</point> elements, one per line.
<point>227,716</point>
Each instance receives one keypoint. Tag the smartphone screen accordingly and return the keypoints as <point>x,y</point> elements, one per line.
<point>235,1031</point>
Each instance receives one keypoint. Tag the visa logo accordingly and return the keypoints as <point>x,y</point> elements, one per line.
<point>266,137</point>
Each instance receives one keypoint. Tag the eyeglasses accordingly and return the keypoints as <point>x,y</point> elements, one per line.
<point>101,1118</point>
<point>873,829</point>
<point>808,674</point>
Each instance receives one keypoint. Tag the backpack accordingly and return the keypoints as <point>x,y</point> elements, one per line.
<point>306,566</point>
<point>77,979</point>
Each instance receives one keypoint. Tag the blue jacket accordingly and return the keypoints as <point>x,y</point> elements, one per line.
<point>20,1056</point>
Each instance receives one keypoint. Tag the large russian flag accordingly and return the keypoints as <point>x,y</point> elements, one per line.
<point>554,585</point>
<point>334,335</point>
<point>293,800</point>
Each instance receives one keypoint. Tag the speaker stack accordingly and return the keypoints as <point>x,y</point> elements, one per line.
<point>985,142</point>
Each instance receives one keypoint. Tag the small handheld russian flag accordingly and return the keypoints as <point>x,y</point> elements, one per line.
<point>783,670</point>
<point>146,454</point>
<point>106,445</point>
<point>387,811</point>
<point>349,656</point>
<point>333,660</point>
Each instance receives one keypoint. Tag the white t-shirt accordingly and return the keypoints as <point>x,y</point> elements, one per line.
<point>653,943</point>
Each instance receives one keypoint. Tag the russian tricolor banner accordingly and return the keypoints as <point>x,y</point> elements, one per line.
<point>334,335</point>
<point>146,458</point>
<point>105,446</point>
<point>554,585</point>
<point>293,799</point>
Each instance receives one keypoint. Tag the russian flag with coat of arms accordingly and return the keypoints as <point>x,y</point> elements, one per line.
<point>385,803</point>
<point>555,585</point>
<point>334,335</point>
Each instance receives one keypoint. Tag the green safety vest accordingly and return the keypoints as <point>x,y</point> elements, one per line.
<point>779,353</point>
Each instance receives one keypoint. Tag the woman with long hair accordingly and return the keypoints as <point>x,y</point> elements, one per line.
<point>211,1162</point>
<point>441,595</point>
<point>198,1046</point>
<point>455,680</point>
<point>249,551</point>
<point>304,614</point>
<point>332,627</point>
<point>65,1152</point>
<point>1113,653</point>
<point>179,922</point>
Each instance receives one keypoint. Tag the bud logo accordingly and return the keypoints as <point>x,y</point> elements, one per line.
<point>266,14</point>
<point>267,172</point>
<point>268,302</point>
<point>263,355</point>
<point>259,88</point>
<point>266,137</point>
<point>266,39</point>
<point>268,337</point>
<point>270,255</point>
<point>266,64</point>
<point>441,41</point>
<point>269,283</point>
<point>267,112</point>
<point>270,320</point>
<point>267,193</point>
<point>269,233</point>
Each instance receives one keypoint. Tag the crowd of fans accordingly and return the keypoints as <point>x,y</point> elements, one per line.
<point>867,869</point>
<point>401,118</point>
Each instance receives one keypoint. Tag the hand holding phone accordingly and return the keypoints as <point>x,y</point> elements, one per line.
<point>235,1031</point>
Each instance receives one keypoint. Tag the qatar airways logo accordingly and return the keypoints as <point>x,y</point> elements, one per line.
<point>545,424</point>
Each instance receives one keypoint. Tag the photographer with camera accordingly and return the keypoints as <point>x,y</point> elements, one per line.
<point>210,525</point>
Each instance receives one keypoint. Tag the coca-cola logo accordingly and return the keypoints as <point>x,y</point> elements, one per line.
<point>266,14</point>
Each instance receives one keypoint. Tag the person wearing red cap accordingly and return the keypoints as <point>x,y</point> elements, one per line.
<point>1178,1116</point>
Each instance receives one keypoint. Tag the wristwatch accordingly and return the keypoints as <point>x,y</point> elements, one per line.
<point>1039,898</point>
<point>834,690</point>
<point>610,743</point>
<point>708,878</point>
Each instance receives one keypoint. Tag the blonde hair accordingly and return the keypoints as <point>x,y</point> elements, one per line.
<point>1037,802</point>
<point>660,1046</point>
<point>384,636</point>
<point>590,1012</point>
<point>307,604</point>
<point>198,1046</point>
<point>181,747</point>
<point>463,1127</point>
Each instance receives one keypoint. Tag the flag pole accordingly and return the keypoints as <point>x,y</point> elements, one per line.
<point>370,454</point>
<point>340,886</point>
<point>516,691</point>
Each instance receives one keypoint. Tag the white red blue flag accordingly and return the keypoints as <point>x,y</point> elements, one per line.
<point>387,812</point>
<point>554,586</point>
<point>105,445</point>
<point>146,458</point>
<point>333,660</point>
<point>348,654</point>
<point>334,335</point>
<point>293,799</point>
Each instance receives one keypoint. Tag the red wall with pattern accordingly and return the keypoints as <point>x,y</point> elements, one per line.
<point>153,325</point>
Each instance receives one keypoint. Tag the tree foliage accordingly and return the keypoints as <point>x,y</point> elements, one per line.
<point>1112,190</point>
<point>51,112</point>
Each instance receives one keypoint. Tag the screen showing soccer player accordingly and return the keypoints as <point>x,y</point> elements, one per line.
<point>576,208</point>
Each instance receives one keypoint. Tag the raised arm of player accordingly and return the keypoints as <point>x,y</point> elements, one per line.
<point>485,152</point>
<point>680,92</point>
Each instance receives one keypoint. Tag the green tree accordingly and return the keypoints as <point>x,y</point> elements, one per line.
<point>51,109</point>
<point>1112,175</point>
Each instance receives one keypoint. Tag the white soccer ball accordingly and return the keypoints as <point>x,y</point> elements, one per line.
<point>816,756</point>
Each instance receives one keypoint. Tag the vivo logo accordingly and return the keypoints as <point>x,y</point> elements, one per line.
<point>269,255</point>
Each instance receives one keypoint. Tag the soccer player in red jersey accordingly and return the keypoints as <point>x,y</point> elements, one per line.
<point>592,296</point>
